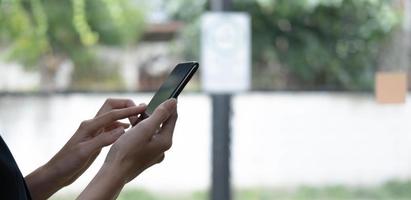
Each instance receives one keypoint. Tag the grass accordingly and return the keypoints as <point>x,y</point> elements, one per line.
<point>392,190</point>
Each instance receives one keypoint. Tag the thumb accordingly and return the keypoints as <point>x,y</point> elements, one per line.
<point>104,139</point>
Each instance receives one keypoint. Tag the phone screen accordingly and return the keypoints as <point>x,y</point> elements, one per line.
<point>173,85</point>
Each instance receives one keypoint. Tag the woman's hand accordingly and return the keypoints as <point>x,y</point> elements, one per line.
<point>139,148</point>
<point>83,147</point>
<point>144,145</point>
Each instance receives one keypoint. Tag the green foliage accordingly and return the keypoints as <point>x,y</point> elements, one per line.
<point>27,30</point>
<point>117,22</point>
<point>398,190</point>
<point>190,13</point>
<point>138,194</point>
<point>330,44</point>
<point>324,44</point>
<point>33,29</point>
<point>133,194</point>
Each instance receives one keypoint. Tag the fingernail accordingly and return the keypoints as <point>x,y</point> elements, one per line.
<point>173,102</point>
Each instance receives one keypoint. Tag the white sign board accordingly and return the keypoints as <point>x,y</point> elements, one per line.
<point>225,52</point>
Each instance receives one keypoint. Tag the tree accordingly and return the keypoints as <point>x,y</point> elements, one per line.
<point>40,34</point>
<point>323,44</point>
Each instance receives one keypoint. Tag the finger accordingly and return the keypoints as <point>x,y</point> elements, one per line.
<point>149,126</point>
<point>164,138</point>
<point>103,139</point>
<point>162,113</point>
<point>117,124</point>
<point>167,129</point>
<point>137,119</point>
<point>160,158</point>
<point>112,116</point>
<point>112,103</point>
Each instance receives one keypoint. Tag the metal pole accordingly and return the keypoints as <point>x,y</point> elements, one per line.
<point>216,5</point>
<point>221,189</point>
<point>220,5</point>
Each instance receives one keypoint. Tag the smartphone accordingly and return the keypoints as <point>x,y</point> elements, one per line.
<point>172,86</point>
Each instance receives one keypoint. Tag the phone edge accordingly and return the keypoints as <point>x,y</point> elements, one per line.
<point>186,79</point>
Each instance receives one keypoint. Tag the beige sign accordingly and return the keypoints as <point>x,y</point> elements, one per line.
<point>391,87</point>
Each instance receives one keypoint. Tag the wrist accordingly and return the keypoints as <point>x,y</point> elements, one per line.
<point>124,170</point>
<point>107,184</point>
<point>115,172</point>
<point>54,174</point>
<point>42,182</point>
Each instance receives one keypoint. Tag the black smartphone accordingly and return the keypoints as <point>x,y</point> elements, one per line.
<point>172,86</point>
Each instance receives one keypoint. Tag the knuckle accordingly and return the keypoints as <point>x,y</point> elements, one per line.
<point>129,102</point>
<point>85,124</point>
<point>167,145</point>
<point>113,115</point>
<point>108,101</point>
<point>161,158</point>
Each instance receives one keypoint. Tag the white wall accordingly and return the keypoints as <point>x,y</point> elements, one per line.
<point>279,139</point>
<point>13,77</point>
<point>319,138</point>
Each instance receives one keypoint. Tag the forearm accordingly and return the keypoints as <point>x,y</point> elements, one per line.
<point>107,184</point>
<point>43,182</point>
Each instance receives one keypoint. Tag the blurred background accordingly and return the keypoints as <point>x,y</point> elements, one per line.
<point>309,127</point>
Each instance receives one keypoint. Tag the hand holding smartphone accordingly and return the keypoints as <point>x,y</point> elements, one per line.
<point>172,86</point>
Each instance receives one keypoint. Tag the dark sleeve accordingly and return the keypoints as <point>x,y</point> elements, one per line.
<point>12,184</point>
